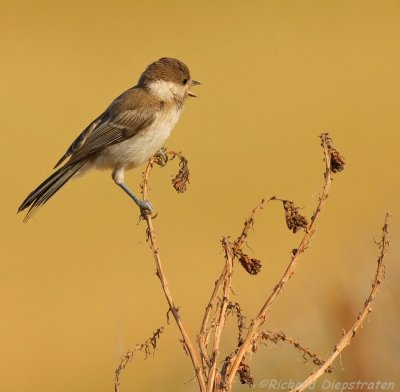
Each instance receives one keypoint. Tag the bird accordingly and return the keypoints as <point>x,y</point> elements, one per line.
<point>130,131</point>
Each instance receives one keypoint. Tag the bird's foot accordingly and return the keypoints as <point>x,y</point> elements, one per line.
<point>161,158</point>
<point>146,208</point>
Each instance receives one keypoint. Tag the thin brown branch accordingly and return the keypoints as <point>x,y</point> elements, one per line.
<point>276,337</point>
<point>249,222</point>
<point>250,264</point>
<point>237,358</point>
<point>227,286</point>
<point>235,309</point>
<point>148,347</point>
<point>187,344</point>
<point>367,309</point>
<point>206,326</point>
<point>205,329</point>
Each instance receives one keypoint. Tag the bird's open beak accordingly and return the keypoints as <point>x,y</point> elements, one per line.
<point>194,83</point>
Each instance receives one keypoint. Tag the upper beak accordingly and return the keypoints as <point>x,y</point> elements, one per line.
<point>194,83</point>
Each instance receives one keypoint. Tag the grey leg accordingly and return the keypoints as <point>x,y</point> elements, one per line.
<point>144,205</point>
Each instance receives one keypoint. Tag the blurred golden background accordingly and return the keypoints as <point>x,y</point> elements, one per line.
<point>77,283</point>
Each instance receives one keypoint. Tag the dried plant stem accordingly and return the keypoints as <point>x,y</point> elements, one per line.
<point>206,355</point>
<point>225,281</point>
<point>346,338</point>
<point>124,362</point>
<point>147,347</point>
<point>205,328</point>
<point>261,316</point>
<point>221,317</point>
<point>275,337</point>
<point>248,224</point>
<point>189,348</point>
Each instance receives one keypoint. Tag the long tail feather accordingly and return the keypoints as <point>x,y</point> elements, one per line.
<point>48,188</point>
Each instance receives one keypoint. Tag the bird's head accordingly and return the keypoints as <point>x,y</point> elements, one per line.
<point>169,79</point>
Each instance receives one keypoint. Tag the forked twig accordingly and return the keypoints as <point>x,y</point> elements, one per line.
<point>224,280</point>
<point>221,316</point>
<point>147,347</point>
<point>205,329</point>
<point>237,358</point>
<point>346,338</point>
<point>188,346</point>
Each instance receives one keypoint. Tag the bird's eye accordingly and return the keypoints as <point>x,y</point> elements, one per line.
<point>184,81</point>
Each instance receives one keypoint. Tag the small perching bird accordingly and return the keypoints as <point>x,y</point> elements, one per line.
<point>130,131</point>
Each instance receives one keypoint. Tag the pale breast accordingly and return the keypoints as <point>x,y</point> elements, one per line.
<point>140,147</point>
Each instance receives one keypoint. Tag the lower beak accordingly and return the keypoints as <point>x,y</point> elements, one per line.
<point>194,83</point>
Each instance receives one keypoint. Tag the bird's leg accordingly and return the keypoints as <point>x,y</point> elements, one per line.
<point>144,205</point>
<point>161,157</point>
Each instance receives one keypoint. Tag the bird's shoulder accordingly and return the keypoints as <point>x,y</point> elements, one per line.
<point>136,99</point>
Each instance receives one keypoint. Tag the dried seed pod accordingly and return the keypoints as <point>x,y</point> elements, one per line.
<point>251,265</point>
<point>294,220</point>
<point>337,160</point>
<point>181,180</point>
<point>244,374</point>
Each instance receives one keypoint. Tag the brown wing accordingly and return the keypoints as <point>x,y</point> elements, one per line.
<point>131,112</point>
<point>80,140</point>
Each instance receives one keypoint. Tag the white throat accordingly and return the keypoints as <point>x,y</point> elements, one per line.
<point>166,91</point>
